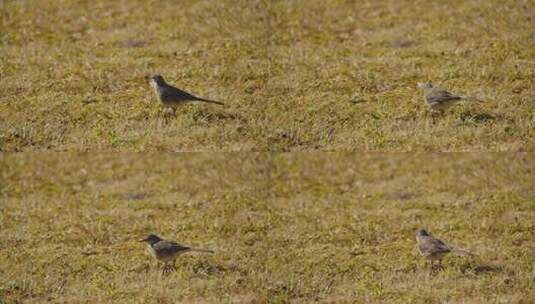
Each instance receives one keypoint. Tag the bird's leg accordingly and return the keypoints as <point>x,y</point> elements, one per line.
<point>163,113</point>
<point>432,114</point>
<point>165,268</point>
<point>440,265</point>
<point>433,117</point>
<point>168,113</point>
<point>172,265</point>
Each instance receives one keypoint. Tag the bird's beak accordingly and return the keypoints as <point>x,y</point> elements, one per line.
<point>142,240</point>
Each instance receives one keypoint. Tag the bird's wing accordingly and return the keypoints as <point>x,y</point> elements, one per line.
<point>440,246</point>
<point>430,246</point>
<point>440,95</point>
<point>173,93</point>
<point>166,247</point>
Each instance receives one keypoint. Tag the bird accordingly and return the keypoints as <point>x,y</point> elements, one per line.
<point>172,97</point>
<point>434,249</point>
<point>167,251</point>
<point>439,99</point>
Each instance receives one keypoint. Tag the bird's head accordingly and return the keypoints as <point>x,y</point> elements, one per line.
<point>425,85</point>
<point>155,80</point>
<point>421,233</point>
<point>151,239</point>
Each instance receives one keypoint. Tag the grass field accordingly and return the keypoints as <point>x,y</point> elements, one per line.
<point>305,75</point>
<point>296,75</point>
<point>302,228</point>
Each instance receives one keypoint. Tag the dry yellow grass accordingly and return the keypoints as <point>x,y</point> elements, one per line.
<point>297,75</point>
<point>286,228</point>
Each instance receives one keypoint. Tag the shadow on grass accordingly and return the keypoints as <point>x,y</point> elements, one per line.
<point>207,116</point>
<point>207,268</point>
<point>398,196</point>
<point>285,140</point>
<point>476,117</point>
<point>132,196</point>
<point>480,269</point>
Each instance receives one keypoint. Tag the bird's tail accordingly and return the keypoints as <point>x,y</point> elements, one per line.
<point>471,98</point>
<point>201,250</point>
<point>210,101</point>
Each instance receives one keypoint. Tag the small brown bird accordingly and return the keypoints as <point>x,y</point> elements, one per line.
<point>167,251</point>
<point>434,249</point>
<point>172,97</point>
<point>439,99</point>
